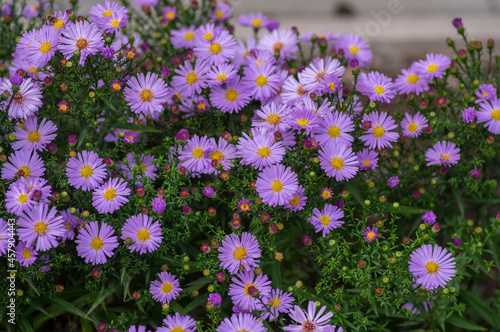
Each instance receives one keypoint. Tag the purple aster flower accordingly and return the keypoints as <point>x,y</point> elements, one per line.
<point>41,225</point>
<point>31,136</point>
<point>367,159</point>
<point>222,152</point>
<point>457,23</point>
<point>81,36</point>
<point>244,205</point>
<point>194,157</point>
<point>376,86</point>
<point>159,205</point>
<point>209,192</point>
<point>485,92</point>
<point>303,119</point>
<point>109,17</point>
<point>146,94</point>
<point>165,290</point>
<point>70,223</point>
<point>429,217</point>
<point>442,153</point>
<point>355,47</point>
<point>183,38</point>
<point>189,81</point>
<point>370,234</point>
<point>298,200</point>
<point>469,115</point>
<point>231,98</point>
<point>278,302</point>
<point>283,40</point>
<point>16,79</point>
<point>475,173</point>
<point>379,135</point>
<point>4,237</point>
<point>276,185</point>
<point>272,117</point>
<point>246,288</point>
<point>338,160</point>
<point>95,243</point>
<point>432,266</point>
<point>19,197</point>
<point>61,20</point>
<point>334,128</point>
<point>221,74</point>
<point>140,166</point>
<point>413,125</point>
<point>169,13</point>
<point>309,320</point>
<point>393,182</point>
<point>490,115</point>
<point>326,219</point>
<point>216,299</point>
<point>254,20</point>
<point>409,81</point>
<point>178,323</point>
<point>145,235</point>
<point>235,252</point>
<point>110,196</point>
<point>25,255</point>
<point>44,46</point>
<point>87,171</point>
<point>25,102</point>
<point>23,163</point>
<point>241,321</point>
<point>31,11</point>
<point>311,77</point>
<point>433,66</point>
<point>261,80</point>
<point>260,151</point>
<point>216,50</point>
<point>108,52</point>
<point>457,242</point>
<point>414,311</point>
<point>221,13</point>
<point>293,92</point>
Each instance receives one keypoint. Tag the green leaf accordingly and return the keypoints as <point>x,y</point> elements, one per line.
<point>105,293</point>
<point>33,286</point>
<point>464,323</point>
<point>198,301</point>
<point>481,308</point>
<point>109,104</point>
<point>460,201</point>
<point>406,210</point>
<point>68,307</point>
<point>355,193</point>
<point>82,136</point>
<point>133,126</point>
<point>25,324</point>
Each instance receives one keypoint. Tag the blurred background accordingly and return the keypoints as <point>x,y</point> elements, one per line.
<point>399,31</point>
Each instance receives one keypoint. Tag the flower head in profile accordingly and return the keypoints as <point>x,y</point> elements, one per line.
<point>410,81</point>
<point>283,40</point>
<point>355,47</point>
<point>432,266</point>
<point>183,38</point>
<point>165,290</point>
<point>298,201</point>
<point>327,219</point>
<point>485,92</point>
<point>236,252</point>
<point>276,185</point>
<point>433,66</point>
<point>95,243</point>
<point>443,154</point>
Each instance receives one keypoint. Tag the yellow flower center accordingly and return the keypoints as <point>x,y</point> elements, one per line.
<point>370,236</point>
<point>445,156</point>
<point>337,163</point>
<point>354,49</point>
<point>379,89</point>
<point>26,254</point>
<point>239,253</point>
<point>215,48</point>
<point>34,136</point>
<point>256,23</point>
<point>378,131</point>
<point>86,171</point>
<point>107,13</point>
<point>97,243</point>
<point>221,77</point>
<point>277,185</point>
<point>219,14</point>
<point>116,86</point>
<point>146,95</point>
<point>302,122</point>
<point>143,235</point>
<point>82,43</point>
<point>44,47</point>
<point>295,201</point>
<point>366,163</point>
<point>247,286</point>
<point>273,119</point>
<point>217,155</point>
<point>334,131</point>
<point>109,194</point>
<point>412,127</point>
<point>33,69</point>
<point>170,15</point>
<point>264,152</point>
<point>63,107</point>
<point>25,170</point>
<point>115,23</point>
<point>412,79</point>
<point>245,207</point>
<point>432,267</point>
<point>278,46</point>
<point>231,95</point>
<point>495,115</point>
<point>198,153</point>
<point>325,220</point>
<point>167,288</point>
<point>261,80</point>
<point>189,36</point>
<point>432,68</point>
<point>59,24</point>
<point>191,78</point>
<point>40,227</point>
<point>275,302</point>
<point>177,329</point>
<point>23,198</point>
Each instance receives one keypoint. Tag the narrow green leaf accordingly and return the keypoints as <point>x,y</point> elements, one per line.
<point>109,104</point>
<point>104,295</point>
<point>25,324</point>
<point>464,323</point>
<point>198,301</point>
<point>33,286</point>
<point>68,307</point>
<point>82,136</point>
<point>460,201</point>
<point>133,126</point>
<point>481,309</point>
<point>355,192</point>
